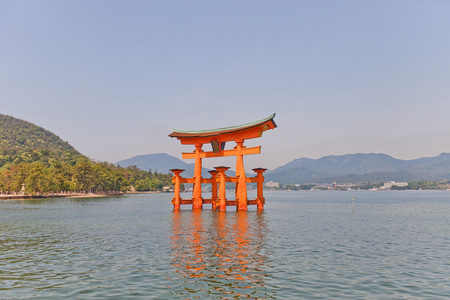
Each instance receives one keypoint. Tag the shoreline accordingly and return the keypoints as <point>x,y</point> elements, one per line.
<point>143,192</point>
<point>68,195</point>
<point>55,196</point>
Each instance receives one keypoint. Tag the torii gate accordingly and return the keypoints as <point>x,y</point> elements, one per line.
<point>217,138</point>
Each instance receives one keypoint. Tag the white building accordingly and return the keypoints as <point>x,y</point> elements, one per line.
<point>272,184</point>
<point>390,184</point>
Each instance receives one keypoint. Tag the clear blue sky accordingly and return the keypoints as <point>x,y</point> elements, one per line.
<point>113,77</point>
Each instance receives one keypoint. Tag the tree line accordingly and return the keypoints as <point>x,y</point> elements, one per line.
<point>81,176</point>
<point>34,160</point>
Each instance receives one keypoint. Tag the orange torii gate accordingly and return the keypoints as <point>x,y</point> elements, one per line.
<point>217,138</point>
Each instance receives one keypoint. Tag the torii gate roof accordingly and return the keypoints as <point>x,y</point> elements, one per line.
<point>245,131</point>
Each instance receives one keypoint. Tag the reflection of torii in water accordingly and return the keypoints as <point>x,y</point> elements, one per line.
<point>220,255</point>
<point>217,138</point>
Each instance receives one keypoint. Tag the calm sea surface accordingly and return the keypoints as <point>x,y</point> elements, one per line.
<point>305,245</point>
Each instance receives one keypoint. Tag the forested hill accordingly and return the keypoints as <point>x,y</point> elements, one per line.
<point>22,141</point>
<point>35,161</point>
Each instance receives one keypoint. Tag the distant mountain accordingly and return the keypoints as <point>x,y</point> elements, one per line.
<point>334,168</point>
<point>22,141</point>
<point>160,162</point>
<point>361,168</point>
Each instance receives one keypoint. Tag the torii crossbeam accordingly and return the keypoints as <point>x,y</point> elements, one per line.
<point>217,138</point>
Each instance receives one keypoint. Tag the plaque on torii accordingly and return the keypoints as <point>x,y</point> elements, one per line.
<point>218,138</point>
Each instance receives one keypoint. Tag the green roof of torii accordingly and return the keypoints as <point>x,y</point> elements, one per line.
<point>231,128</point>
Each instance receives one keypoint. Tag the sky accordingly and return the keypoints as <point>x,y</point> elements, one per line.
<point>114,77</point>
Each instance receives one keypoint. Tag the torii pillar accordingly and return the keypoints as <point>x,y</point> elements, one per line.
<point>222,188</point>
<point>197,193</point>
<point>214,196</point>
<point>241,187</point>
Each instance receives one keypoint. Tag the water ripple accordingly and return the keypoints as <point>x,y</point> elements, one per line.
<point>303,246</point>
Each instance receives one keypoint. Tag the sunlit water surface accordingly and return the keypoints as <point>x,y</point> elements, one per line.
<point>304,245</point>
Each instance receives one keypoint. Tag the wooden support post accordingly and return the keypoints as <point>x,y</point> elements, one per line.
<point>241,187</point>
<point>176,190</point>
<point>197,193</point>
<point>222,188</point>
<point>214,188</point>
<point>259,194</point>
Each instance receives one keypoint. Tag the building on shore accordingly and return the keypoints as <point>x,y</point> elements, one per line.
<point>272,185</point>
<point>388,185</point>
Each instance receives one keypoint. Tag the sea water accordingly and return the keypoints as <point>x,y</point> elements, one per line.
<point>304,245</point>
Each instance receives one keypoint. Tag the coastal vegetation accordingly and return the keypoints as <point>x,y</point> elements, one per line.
<point>39,178</point>
<point>34,161</point>
<point>424,185</point>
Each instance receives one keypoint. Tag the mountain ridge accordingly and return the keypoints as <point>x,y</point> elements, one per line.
<point>161,162</point>
<point>361,167</point>
<point>358,167</point>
